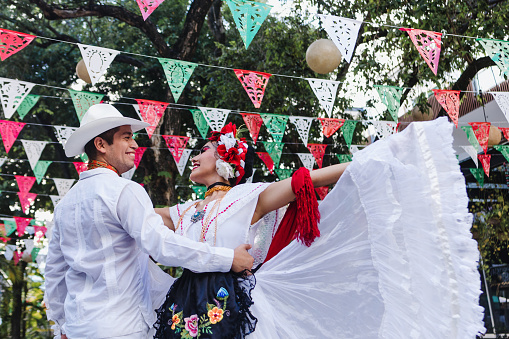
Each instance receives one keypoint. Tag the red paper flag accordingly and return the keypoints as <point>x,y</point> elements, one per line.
<point>21,224</point>
<point>254,123</point>
<point>330,126</point>
<point>267,160</point>
<point>17,256</point>
<point>151,112</point>
<point>138,155</point>
<point>4,239</point>
<point>322,191</point>
<point>26,199</point>
<point>254,83</point>
<point>318,151</point>
<point>12,42</point>
<point>485,161</point>
<point>24,183</point>
<point>42,229</point>
<point>428,44</point>
<point>148,6</point>
<point>9,130</point>
<point>176,145</point>
<point>482,132</point>
<point>505,130</point>
<point>450,101</point>
<point>80,167</point>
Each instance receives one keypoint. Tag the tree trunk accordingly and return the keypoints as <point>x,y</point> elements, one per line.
<point>17,303</point>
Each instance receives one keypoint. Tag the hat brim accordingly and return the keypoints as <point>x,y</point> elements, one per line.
<point>75,145</point>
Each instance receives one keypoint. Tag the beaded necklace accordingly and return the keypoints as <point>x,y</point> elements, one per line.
<point>101,164</point>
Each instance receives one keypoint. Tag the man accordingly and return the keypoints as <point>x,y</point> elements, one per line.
<point>100,282</point>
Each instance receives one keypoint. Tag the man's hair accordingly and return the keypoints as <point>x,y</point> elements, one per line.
<point>107,136</point>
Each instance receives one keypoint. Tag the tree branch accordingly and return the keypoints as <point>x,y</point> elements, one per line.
<point>188,40</point>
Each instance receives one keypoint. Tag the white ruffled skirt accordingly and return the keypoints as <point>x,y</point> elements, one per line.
<point>395,259</point>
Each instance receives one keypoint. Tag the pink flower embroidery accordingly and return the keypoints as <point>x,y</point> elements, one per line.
<point>192,325</point>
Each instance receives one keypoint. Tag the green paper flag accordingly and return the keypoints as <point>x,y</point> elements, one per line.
<point>40,169</point>
<point>274,149</point>
<point>200,191</point>
<point>200,122</point>
<point>504,149</point>
<point>10,226</point>
<point>471,137</point>
<point>478,173</point>
<point>177,74</point>
<point>249,17</point>
<point>84,156</point>
<point>35,253</point>
<point>83,100</point>
<point>347,129</point>
<point>391,97</point>
<point>498,50</point>
<point>283,173</point>
<point>344,158</point>
<point>27,104</point>
<point>275,124</point>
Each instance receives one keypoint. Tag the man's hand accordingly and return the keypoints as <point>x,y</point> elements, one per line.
<point>63,336</point>
<point>241,259</point>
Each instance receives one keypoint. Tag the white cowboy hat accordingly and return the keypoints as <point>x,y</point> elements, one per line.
<point>98,119</point>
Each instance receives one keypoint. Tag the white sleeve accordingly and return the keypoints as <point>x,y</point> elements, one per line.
<point>137,216</point>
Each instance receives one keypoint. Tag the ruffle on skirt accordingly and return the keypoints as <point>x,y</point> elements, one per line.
<point>396,258</point>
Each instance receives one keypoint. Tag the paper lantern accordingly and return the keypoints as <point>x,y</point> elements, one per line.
<point>417,115</point>
<point>323,56</point>
<point>82,72</point>
<point>495,136</point>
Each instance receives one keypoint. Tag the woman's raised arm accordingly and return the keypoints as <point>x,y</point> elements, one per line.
<point>165,214</point>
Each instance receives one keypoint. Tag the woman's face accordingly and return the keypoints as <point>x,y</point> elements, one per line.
<point>204,166</point>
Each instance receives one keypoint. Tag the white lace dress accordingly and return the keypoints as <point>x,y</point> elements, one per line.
<point>395,258</point>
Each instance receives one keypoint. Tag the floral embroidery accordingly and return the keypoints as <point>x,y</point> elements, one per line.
<point>195,326</point>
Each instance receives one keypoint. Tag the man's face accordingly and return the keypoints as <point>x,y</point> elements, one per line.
<point>121,153</point>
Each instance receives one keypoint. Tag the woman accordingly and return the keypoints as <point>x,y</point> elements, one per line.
<point>395,258</point>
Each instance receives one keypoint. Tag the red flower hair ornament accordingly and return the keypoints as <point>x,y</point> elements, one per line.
<point>232,152</point>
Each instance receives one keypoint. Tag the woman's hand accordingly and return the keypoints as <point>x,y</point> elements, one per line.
<point>165,214</point>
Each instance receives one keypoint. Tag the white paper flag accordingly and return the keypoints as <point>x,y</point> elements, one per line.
<point>55,199</point>
<point>2,160</point>
<point>29,244</point>
<point>30,230</point>
<point>216,117</point>
<point>472,152</point>
<point>9,251</point>
<point>302,124</point>
<point>97,60</point>
<point>354,149</point>
<point>63,185</point>
<point>250,179</point>
<point>502,99</point>
<point>308,160</point>
<point>12,94</point>
<point>384,128</point>
<point>63,133</point>
<point>137,109</point>
<point>33,150</point>
<point>181,165</point>
<point>343,32</point>
<point>129,174</point>
<point>325,91</point>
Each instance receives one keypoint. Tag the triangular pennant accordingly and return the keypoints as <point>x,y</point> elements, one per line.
<point>35,253</point>
<point>478,174</point>
<point>472,152</point>
<point>471,137</point>
<point>450,101</point>
<point>322,191</point>
<point>200,122</point>
<point>275,149</point>
<point>26,200</point>
<point>391,97</point>
<point>12,94</point>
<point>24,183</point>
<point>303,124</point>
<point>21,224</point>
<point>83,100</point>
<point>9,251</point>
<point>498,50</point>
<point>138,155</point>
<point>254,84</point>
<point>129,174</point>
<point>283,173</point>
<point>249,17</point>
<point>40,169</point>
<point>2,161</point>
<point>344,158</point>
<point>505,131</point>
<point>330,126</point>
<point>151,112</point>
<point>17,257</point>
<point>267,160</point>
<point>10,226</point>
<point>63,185</point>
<point>348,128</point>
<point>176,145</point>
<point>181,165</point>
<point>148,6</point>
<point>63,133</point>
<point>502,99</point>
<point>9,130</point>
<point>80,167</point>
<point>276,125</point>
<point>177,74</point>
<point>318,151</point>
<point>308,160</point>
<point>354,149</point>
<point>84,157</point>
<point>137,109</point>
<point>55,199</point>
<point>27,104</point>
<point>29,245</point>
<point>97,60</point>
<point>200,191</point>
<point>40,230</point>
<point>253,122</point>
<point>428,44</point>
<point>485,161</point>
<point>11,42</point>
<point>30,229</point>
<point>33,150</point>
<point>482,132</point>
<point>343,32</point>
<point>384,128</point>
<point>325,91</point>
<point>250,179</point>
<point>216,117</point>
<point>504,149</point>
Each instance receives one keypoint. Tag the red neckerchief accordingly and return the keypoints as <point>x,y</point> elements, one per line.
<point>101,164</point>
